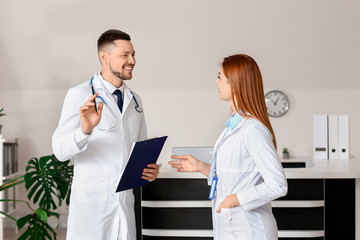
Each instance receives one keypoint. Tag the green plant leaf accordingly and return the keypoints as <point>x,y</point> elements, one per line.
<point>25,235</point>
<point>29,175</point>
<point>48,183</point>
<point>32,163</point>
<point>36,228</point>
<point>2,114</point>
<point>51,230</point>
<point>37,196</point>
<point>22,221</point>
<point>64,178</point>
<point>42,214</point>
<point>29,180</point>
<point>40,180</point>
<point>67,201</point>
<point>43,161</point>
<point>33,189</point>
<point>46,235</point>
<point>52,162</point>
<point>55,214</point>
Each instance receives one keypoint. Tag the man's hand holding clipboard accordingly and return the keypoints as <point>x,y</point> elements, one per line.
<point>151,172</point>
<point>141,167</point>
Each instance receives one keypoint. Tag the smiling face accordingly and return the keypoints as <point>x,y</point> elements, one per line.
<point>118,61</point>
<point>122,59</point>
<point>223,85</point>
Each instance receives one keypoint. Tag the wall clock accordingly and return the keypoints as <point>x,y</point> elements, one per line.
<point>277,103</point>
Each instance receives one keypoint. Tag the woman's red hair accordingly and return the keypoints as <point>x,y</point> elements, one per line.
<point>246,83</point>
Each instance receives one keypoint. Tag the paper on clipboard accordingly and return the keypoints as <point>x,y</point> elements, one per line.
<point>142,154</point>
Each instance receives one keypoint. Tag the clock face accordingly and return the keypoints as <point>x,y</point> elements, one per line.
<point>277,103</point>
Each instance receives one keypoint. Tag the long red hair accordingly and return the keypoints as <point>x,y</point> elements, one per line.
<point>246,83</point>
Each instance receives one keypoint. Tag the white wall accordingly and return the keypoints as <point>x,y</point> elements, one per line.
<point>308,49</point>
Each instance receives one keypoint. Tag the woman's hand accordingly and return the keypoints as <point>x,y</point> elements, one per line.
<point>229,202</point>
<point>186,163</point>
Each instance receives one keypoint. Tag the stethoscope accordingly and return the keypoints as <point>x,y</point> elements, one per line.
<point>137,107</point>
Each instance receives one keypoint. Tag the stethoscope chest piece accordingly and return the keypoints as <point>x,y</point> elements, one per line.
<point>138,109</point>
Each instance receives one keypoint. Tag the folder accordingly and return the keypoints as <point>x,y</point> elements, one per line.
<point>333,137</point>
<point>320,137</point>
<point>142,154</point>
<point>344,137</point>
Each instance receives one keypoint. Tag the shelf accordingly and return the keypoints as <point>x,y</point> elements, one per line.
<point>177,233</point>
<point>207,204</point>
<point>10,152</point>
<point>302,233</point>
<point>171,173</point>
<point>209,233</point>
<point>315,169</point>
<point>176,204</point>
<point>297,204</point>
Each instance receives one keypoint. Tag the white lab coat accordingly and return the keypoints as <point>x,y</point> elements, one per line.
<point>96,212</point>
<point>247,165</point>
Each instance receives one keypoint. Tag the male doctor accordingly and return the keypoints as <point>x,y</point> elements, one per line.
<point>97,127</point>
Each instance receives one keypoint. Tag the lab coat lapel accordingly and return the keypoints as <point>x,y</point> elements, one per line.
<point>127,98</point>
<point>222,137</point>
<point>106,95</point>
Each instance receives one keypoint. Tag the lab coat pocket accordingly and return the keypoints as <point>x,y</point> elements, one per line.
<point>134,121</point>
<point>239,224</point>
<point>225,223</point>
<point>108,119</point>
<point>91,187</point>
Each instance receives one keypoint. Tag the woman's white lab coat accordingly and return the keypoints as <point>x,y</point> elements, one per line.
<point>96,212</point>
<point>247,165</point>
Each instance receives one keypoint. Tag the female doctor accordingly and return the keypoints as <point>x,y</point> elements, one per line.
<point>245,173</point>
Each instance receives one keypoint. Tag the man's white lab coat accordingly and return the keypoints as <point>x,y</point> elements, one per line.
<point>96,212</point>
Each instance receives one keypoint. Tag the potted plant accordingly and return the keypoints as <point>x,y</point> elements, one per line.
<point>286,154</point>
<point>47,181</point>
<point>1,114</point>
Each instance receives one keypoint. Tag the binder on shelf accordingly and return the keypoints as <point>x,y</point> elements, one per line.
<point>333,137</point>
<point>142,154</point>
<point>5,161</point>
<point>10,158</point>
<point>320,137</point>
<point>344,137</point>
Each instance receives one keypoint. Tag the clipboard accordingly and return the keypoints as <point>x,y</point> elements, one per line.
<point>142,154</point>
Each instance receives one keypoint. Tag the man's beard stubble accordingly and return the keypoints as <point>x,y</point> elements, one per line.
<point>120,74</point>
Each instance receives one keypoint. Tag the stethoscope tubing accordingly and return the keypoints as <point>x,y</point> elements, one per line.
<point>137,107</point>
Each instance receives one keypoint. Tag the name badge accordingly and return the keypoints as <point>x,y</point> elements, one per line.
<point>213,187</point>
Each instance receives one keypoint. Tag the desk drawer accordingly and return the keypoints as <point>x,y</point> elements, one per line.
<point>176,238</point>
<point>305,189</point>
<point>177,218</point>
<point>299,218</point>
<point>176,189</point>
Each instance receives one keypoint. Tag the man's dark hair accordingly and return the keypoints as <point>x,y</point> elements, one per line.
<point>110,36</point>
